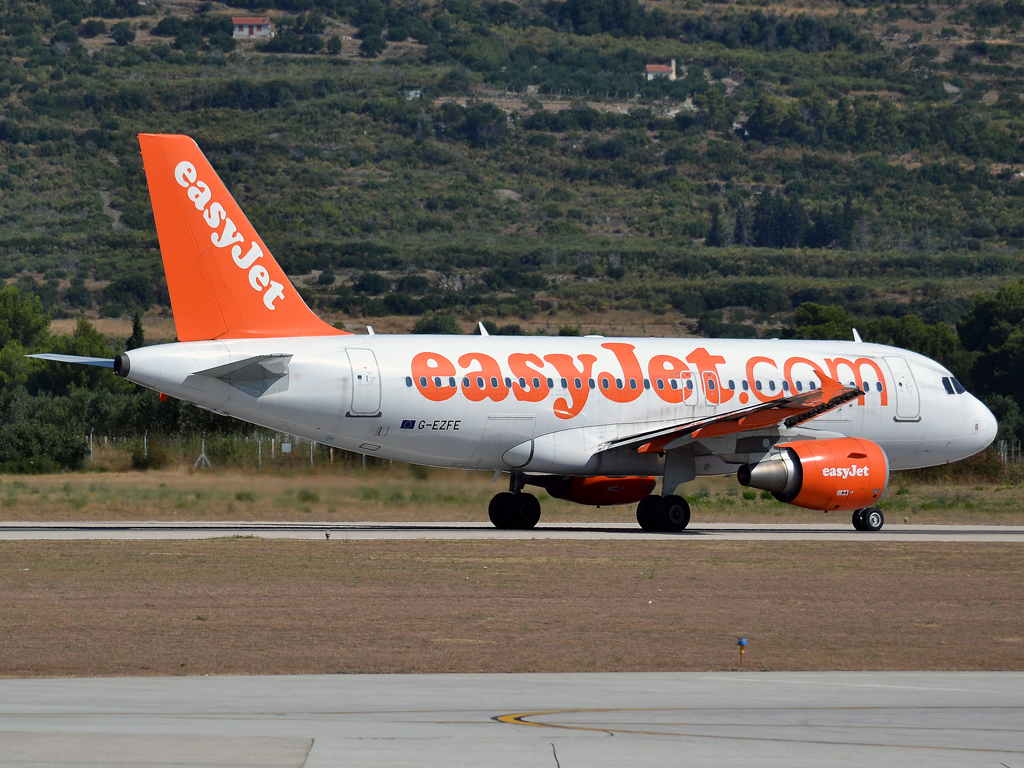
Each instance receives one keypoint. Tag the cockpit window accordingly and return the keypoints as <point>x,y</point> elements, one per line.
<point>948,385</point>
<point>957,386</point>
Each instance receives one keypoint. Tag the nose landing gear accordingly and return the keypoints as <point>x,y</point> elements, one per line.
<point>868,519</point>
<point>663,514</point>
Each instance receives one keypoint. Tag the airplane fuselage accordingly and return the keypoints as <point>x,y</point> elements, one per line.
<point>552,405</point>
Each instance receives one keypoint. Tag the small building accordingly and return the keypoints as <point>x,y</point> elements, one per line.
<point>661,70</point>
<point>252,26</point>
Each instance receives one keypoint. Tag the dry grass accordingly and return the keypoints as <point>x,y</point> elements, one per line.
<point>402,493</point>
<point>246,606</point>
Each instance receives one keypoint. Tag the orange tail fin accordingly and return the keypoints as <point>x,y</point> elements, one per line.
<point>223,281</point>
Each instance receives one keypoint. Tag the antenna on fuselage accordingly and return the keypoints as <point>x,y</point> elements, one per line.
<point>483,331</point>
<point>856,336</point>
<point>370,331</point>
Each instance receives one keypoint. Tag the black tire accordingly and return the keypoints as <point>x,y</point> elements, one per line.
<point>498,511</point>
<point>858,519</point>
<point>873,519</point>
<point>646,513</point>
<point>523,511</point>
<point>672,514</point>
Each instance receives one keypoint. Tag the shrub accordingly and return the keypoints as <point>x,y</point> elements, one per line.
<point>93,27</point>
<point>372,46</point>
<point>122,33</point>
<point>37,448</point>
<point>445,324</point>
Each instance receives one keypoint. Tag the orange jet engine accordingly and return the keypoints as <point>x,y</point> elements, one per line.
<point>595,491</point>
<point>842,473</point>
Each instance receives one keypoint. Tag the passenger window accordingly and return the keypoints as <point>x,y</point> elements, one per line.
<point>437,381</point>
<point>408,381</point>
<point>565,383</point>
<point>689,385</point>
<point>799,387</point>
<point>423,381</point>
<point>757,385</point>
<point>578,383</point>
<point>480,382</point>
<point>522,382</point>
<point>591,384</point>
<point>674,383</point>
<point>551,383</point>
<point>878,386</point>
<point>771,385</point>
<point>732,385</point>
<point>785,386</point>
<point>745,385</point>
<point>536,383</point>
<point>711,385</point>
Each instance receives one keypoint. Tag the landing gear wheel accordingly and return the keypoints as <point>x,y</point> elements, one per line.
<point>672,514</point>
<point>498,511</point>
<point>873,520</point>
<point>646,513</point>
<point>858,519</point>
<point>523,511</point>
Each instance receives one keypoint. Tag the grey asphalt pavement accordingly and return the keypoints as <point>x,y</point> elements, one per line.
<point>557,720</point>
<point>841,530</point>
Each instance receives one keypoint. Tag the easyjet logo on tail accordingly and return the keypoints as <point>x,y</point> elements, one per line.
<point>227,235</point>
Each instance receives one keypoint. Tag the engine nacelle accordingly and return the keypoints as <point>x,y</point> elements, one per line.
<point>595,491</point>
<point>842,473</point>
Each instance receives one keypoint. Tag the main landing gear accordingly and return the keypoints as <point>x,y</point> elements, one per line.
<point>868,519</point>
<point>514,511</point>
<point>663,514</point>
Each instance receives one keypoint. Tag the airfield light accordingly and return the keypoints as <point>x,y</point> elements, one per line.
<point>742,643</point>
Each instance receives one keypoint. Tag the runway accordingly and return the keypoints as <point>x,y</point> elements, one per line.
<point>839,531</point>
<point>557,721</point>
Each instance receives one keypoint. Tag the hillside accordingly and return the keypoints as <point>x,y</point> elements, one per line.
<point>860,155</point>
<point>438,163</point>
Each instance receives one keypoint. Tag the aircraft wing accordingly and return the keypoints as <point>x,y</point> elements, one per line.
<point>790,411</point>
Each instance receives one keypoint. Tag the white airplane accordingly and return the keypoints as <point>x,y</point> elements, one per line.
<point>596,421</point>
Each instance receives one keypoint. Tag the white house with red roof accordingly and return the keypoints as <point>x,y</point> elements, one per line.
<point>252,26</point>
<point>661,70</point>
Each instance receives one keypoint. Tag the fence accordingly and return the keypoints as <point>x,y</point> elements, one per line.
<point>1008,452</point>
<point>257,450</point>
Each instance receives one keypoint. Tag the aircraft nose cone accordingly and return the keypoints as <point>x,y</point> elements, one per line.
<point>987,426</point>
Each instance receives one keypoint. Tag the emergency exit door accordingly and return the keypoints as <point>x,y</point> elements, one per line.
<point>908,399</point>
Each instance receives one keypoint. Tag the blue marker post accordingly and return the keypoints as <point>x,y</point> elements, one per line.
<point>742,643</point>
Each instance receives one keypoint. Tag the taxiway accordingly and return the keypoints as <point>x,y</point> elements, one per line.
<point>838,531</point>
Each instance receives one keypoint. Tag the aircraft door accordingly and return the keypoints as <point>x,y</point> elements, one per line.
<point>365,383</point>
<point>908,399</point>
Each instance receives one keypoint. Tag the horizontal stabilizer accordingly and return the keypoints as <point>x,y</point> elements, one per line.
<point>101,362</point>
